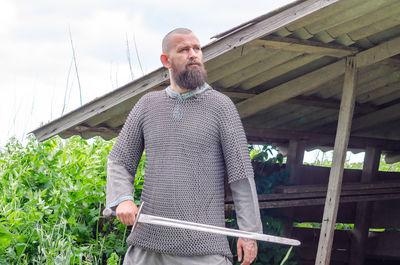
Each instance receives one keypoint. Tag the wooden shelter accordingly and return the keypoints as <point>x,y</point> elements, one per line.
<point>313,73</point>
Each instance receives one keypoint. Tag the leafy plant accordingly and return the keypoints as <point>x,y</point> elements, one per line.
<point>51,198</point>
<point>269,172</point>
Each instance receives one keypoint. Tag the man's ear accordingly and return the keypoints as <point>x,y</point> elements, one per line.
<point>165,61</point>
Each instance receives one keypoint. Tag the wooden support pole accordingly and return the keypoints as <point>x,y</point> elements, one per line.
<point>339,156</point>
<point>295,157</point>
<point>363,210</point>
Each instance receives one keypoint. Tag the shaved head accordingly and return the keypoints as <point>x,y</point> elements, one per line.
<point>166,43</point>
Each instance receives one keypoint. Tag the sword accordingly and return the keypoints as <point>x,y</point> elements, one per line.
<point>157,220</point>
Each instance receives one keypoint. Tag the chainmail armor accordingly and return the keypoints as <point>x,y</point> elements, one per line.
<point>188,143</point>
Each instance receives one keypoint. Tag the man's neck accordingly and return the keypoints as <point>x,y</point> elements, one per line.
<point>178,89</point>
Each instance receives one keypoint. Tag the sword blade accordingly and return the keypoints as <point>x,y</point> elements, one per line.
<point>157,220</point>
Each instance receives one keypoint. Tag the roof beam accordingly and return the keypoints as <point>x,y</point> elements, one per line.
<point>264,27</point>
<point>329,104</point>
<point>376,118</point>
<point>102,104</point>
<point>312,80</point>
<point>303,46</point>
<point>257,135</point>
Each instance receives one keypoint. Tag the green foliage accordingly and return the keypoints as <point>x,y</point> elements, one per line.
<point>268,168</point>
<point>51,198</point>
<point>326,161</point>
<point>269,172</point>
<point>52,195</point>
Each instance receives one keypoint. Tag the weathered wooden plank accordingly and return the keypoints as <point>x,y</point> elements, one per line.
<point>320,201</point>
<point>379,92</point>
<point>390,10</point>
<point>372,29</point>
<point>316,119</point>
<point>321,194</point>
<point>290,89</point>
<point>238,94</point>
<point>278,71</point>
<point>257,66</point>
<point>329,104</point>
<point>323,14</point>
<point>379,82</point>
<point>365,76</point>
<point>303,46</point>
<point>229,57</point>
<point>387,131</point>
<point>363,209</point>
<point>378,53</point>
<point>386,98</point>
<point>295,157</point>
<point>346,15</point>
<point>313,139</point>
<point>382,247</point>
<point>339,156</point>
<point>385,245</point>
<point>310,81</point>
<point>377,117</point>
<point>240,64</point>
<point>346,187</point>
<point>264,27</point>
<point>294,117</point>
<point>103,103</point>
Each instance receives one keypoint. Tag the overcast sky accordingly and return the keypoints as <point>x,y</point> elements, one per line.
<point>37,68</point>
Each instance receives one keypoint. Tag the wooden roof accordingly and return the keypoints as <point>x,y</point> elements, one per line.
<point>285,72</point>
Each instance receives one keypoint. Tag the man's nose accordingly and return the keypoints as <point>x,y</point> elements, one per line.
<point>193,53</point>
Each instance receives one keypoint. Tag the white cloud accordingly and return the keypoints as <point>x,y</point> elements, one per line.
<point>35,49</point>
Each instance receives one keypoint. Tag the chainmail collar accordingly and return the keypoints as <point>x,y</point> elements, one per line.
<point>189,94</point>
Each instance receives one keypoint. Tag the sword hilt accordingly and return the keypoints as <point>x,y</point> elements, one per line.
<point>137,216</point>
<point>107,212</point>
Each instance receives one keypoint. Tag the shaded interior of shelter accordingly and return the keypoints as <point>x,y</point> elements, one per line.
<point>287,58</point>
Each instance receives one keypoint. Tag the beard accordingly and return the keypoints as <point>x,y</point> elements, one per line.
<point>190,78</point>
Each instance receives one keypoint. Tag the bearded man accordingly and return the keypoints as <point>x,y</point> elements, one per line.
<point>191,134</point>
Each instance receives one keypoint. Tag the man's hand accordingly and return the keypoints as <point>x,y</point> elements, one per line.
<point>249,248</point>
<point>126,212</point>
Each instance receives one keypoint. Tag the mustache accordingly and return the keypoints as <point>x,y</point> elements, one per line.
<point>194,62</point>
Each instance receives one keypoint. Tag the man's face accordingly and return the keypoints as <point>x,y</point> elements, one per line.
<point>186,60</point>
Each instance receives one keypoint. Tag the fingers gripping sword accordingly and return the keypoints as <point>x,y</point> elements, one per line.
<point>157,220</point>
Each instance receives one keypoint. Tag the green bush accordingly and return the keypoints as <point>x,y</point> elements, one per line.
<point>52,194</point>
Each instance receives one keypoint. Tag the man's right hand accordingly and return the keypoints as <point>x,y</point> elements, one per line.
<point>126,212</point>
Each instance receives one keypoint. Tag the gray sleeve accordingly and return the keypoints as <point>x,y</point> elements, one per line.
<point>119,185</point>
<point>244,195</point>
<point>124,158</point>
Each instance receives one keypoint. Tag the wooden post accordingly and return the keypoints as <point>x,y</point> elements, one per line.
<point>295,157</point>
<point>363,210</point>
<point>339,156</point>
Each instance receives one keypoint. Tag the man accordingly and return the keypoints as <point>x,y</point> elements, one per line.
<point>191,133</point>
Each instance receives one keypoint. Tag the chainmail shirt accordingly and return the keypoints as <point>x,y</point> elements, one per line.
<point>189,141</point>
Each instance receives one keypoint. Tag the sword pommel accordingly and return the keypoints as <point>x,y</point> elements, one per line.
<point>107,212</point>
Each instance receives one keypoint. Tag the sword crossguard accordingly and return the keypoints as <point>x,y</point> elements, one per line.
<point>137,216</point>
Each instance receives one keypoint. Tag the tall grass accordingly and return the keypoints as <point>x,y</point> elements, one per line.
<point>51,197</point>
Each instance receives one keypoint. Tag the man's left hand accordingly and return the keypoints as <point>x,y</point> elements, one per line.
<point>248,247</point>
